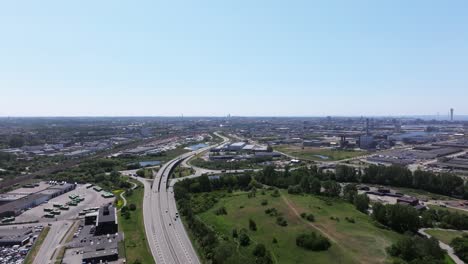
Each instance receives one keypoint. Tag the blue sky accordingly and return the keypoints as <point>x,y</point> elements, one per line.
<point>305,58</point>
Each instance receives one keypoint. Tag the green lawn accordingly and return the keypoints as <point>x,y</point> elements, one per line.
<point>318,154</point>
<point>452,210</point>
<point>118,199</point>
<point>421,194</point>
<point>136,245</point>
<point>360,242</point>
<point>445,236</point>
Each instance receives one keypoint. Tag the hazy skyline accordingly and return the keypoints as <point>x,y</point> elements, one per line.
<point>244,58</point>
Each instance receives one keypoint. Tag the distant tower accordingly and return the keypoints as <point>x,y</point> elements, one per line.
<point>451,114</point>
<point>367,126</point>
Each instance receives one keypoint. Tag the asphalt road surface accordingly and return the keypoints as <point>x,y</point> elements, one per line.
<point>167,237</point>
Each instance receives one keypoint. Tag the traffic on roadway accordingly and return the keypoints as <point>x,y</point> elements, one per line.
<point>166,234</point>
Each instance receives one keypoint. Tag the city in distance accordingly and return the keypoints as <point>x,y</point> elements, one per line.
<point>234,132</point>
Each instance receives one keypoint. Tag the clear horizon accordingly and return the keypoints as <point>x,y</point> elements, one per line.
<point>244,58</point>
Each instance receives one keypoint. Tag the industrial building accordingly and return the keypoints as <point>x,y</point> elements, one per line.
<point>106,222</point>
<point>13,207</point>
<point>101,256</point>
<point>15,237</point>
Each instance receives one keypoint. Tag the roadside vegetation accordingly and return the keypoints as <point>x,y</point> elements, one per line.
<point>231,165</point>
<point>131,223</point>
<point>37,246</point>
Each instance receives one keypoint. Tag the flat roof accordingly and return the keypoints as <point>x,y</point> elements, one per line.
<point>11,196</point>
<point>18,204</point>
<point>109,217</point>
<point>100,253</point>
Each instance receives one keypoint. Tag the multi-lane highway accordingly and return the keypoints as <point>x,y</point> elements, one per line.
<point>167,237</point>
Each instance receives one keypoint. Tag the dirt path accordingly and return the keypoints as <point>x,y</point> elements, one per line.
<point>321,230</point>
<point>294,209</point>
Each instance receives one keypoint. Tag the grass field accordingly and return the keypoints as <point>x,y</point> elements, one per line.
<point>37,245</point>
<point>445,236</point>
<point>359,242</point>
<point>318,154</point>
<point>421,194</point>
<point>136,245</point>
<point>452,210</point>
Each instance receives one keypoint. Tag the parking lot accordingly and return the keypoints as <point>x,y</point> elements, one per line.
<point>92,199</point>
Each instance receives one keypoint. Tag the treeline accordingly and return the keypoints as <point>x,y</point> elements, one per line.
<point>460,246</point>
<point>101,171</point>
<point>404,218</point>
<point>417,250</point>
<point>440,183</point>
<point>233,165</point>
<point>307,178</point>
<point>444,219</point>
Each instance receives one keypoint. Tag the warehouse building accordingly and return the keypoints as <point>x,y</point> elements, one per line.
<point>14,207</point>
<point>13,237</point>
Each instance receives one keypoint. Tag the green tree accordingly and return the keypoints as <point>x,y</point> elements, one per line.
<point>259,250</point>
<point>361,201</point>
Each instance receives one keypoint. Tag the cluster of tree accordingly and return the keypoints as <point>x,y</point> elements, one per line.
<point>309,179</point>
<point>444,219</point>
<point>460,246</point>
<point>415,249</point>
<point>145,173</point>
<point>312,241</point>
<point>100,171</point>
<point>126,210</point>
<point>234,165</point>
<point>213,248</point>
<point>440,183</point>
<point>400,218</point>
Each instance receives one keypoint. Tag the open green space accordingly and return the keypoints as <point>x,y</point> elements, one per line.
<point>358,242</point>
<point>318,154</point>
<point>136,244</point>
<point>421,194</point>
<point>37,245</point>
<point>450,209</point>
<point>182,172</point>
<point>445,236</point>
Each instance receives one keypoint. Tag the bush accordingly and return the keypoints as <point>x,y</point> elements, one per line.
<point>234,233</point>
<point>310,218</point>
<point>264,202</point>
<point>252,225</point>
<point>460,246</point>
<point>303,215</point>
<point>281,221</point>
<point>312,241</point>
<point>271,212</point>
<point>132,207</point>
<point>244,239</point>
<point>274,241</point>
<point>259,250</point>
<point>276,193</point>
<point>350,219</point>
<point>221,211</point>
